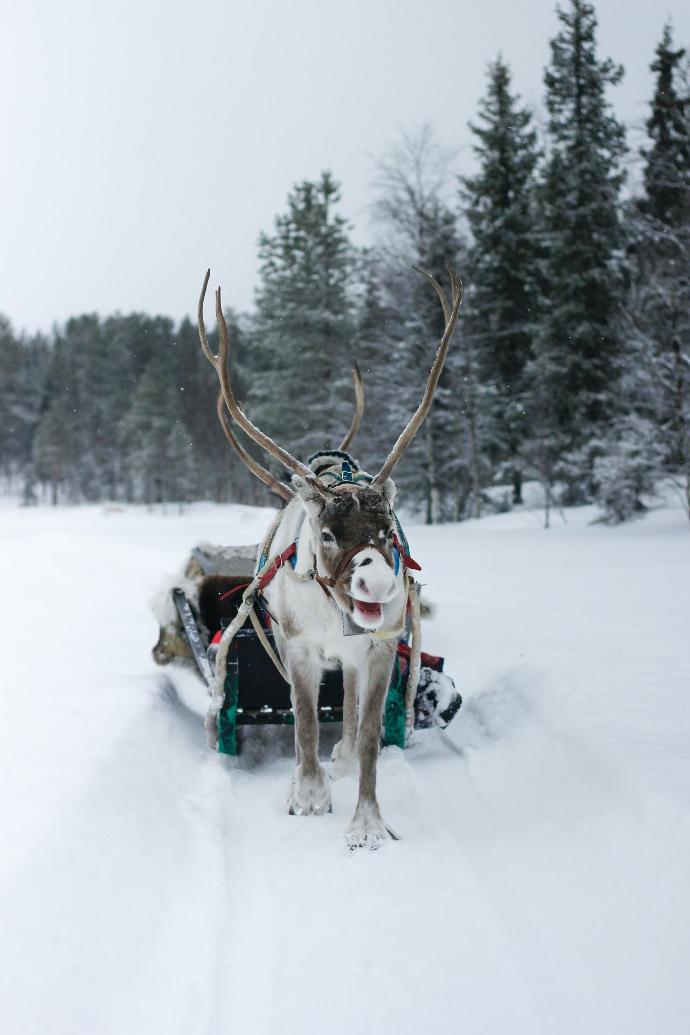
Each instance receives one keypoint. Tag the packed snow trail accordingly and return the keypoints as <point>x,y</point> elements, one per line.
<point>541,881</point>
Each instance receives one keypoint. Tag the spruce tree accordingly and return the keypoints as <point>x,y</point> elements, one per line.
<point>573,374</point>
<point>500,313</point>
<point>197,387</point>
<point>660,293</point>
<point>375,346</point>
<point>180,465</point>
<point>301,345</point>
<point>667,167</point>
<point>145,434</point>
<point>23,369</point>
<point>96,376</point>
<point>59,447</point>
<point>54,450</point>
<point>446,459</point>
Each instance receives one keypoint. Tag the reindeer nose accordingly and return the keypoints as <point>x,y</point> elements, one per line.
<point>361,585</point>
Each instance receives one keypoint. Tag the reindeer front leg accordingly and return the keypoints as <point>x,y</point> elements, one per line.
<point>344,754</point>
<point>309,791</point>
<point>367,827</point>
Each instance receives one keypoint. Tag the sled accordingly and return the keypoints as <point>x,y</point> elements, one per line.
<point>195,610</point>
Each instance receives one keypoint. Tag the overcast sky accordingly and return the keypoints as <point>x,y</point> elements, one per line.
<point>142,141</point>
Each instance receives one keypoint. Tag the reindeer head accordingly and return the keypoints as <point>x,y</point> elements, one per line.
<point>352,524</point>
<point>353,532</point>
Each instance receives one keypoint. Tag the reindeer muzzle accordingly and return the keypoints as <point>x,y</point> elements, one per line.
<point>347,557</point>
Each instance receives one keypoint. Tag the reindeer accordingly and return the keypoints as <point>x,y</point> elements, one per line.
<point>350,573</point>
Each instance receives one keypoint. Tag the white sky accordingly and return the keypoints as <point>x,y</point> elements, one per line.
<point>143,141</point>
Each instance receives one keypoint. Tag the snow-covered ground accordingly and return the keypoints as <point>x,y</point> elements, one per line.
<point>542,879</point>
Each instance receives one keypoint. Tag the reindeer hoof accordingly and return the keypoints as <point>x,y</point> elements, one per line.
<point>343,761</point>
<point>370,841</point>
<point>309,795</point>
<point>367,830</point>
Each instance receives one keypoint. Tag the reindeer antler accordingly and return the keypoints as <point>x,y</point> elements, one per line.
<point>257,469</point>
<point>220,364</point>
<point>359,406</point>
<point>451,317</point>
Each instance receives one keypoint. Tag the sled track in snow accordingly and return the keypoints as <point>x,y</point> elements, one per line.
<point>454,898</point>
<point>211,905</point>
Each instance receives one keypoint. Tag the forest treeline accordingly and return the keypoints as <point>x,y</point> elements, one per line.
<point>571,363</point>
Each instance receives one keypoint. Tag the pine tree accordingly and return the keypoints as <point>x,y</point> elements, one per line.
<point>660,295</point>
<point>667,168</point>
<point>54,449</point>
<point>301,347</point>
<point>23,370</point>
<point>10,363</point>
<point>374,344</point>
<point>58,446</point>
<point>95,380</point>
<point>197,387</point>
<point>500,309</point>
<point>145,434</point>
<point>180,465</point>
<point>627,467</point>
<point>576,362</point>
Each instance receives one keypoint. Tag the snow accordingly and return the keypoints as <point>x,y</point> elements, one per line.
<point>541,882</point>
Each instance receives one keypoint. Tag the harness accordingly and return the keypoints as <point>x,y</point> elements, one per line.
<point>349,473</point>
<point>268,568</point>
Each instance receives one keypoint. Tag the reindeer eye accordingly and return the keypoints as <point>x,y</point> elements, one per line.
<point>390,533</point>
<point>326,536</point>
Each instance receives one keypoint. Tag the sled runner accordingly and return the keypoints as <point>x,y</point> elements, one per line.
<point>201,604</point>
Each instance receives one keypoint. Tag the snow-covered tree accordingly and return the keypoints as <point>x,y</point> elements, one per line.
<point>503,283</point>
<point>659,311</point>
<point>219,474</point>
<point>577,350</point>
<point>145,434</point>
<point>54,449</point>
<point>626,469</point>
<point>667,167</point>
<point>419,228</point>
<point>180,465</point>
<point>301,344</point>
<point>23,370</point>
<point>375,345</point>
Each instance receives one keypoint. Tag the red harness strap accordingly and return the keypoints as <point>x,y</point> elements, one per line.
<point>406,559</point>
<point>277,564</point>
<point>231,592</point>
<point>285,556</point>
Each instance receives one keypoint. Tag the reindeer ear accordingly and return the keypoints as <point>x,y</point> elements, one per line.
<point>310,490</point>
<point>388,491</point>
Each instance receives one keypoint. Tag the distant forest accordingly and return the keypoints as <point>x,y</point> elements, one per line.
<point>571,363</point>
